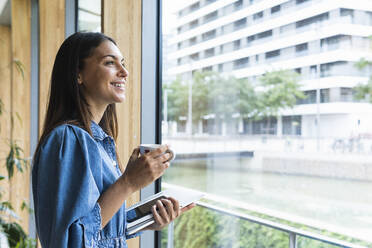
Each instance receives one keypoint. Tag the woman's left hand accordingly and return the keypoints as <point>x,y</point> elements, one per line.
<point>165,211</point>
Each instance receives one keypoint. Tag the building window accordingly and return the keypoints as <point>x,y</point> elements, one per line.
<point>301,47</point>
<point>194,7</point>
<point>346,94</point>
<point>194,56</point>
<point>193,24</point>
<point>324,95</point>
<point>310,97</point>
<point>301,1</point>
<point>238,4</point>
<point>240,23</point>
<point>275,9</point>
<point>89,16</point>
<point>236,44</point>
<point>311,20</point>
<point>192,41</point>
<point>272,54</point>
<point>258,15</point>
<point>209,35</point>
<point>346,12</point>
<point>291,125</point>
<point>264,34</point>
<point>220,67</point>
<point>211,16</point>
<point>298,70</point>
<point>208,68</point>
<point>241,63</point>
<point>209,53</point>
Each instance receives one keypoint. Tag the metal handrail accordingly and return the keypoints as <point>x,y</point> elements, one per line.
<point>292,232</point>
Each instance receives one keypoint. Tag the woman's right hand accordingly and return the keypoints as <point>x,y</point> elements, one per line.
<point>143,170</point>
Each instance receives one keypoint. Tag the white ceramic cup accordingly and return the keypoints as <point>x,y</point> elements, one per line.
<point>145,148</point>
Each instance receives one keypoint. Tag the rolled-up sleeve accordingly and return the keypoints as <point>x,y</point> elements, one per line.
<point>65,181</point>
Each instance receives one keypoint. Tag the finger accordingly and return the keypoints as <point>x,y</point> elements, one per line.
<point>135,154</point>
<point>163,213</point>
<point>165,157</point>
<point>169,207</point>
<point>166,165</point>
<point>176,206</point>
<point>188,207</point>
<point>157,216</point>
<point>159,151</point>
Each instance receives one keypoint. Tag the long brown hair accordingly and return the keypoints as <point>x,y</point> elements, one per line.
<point>67,103</point>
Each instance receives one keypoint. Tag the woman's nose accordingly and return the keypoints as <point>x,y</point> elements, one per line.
<point>123,71</point>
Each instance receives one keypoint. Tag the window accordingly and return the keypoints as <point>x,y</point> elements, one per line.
<point>346,12</point>
<point>324,95</point>
<point>220,67</point>
<point>264,34</point>
<point>241,63</point>
<point>238,4</point>
<point>194,56</point>
<point>208,68</point>
<point>192,41</point>
<point>209,52</point>
<point>240,23</point>
<point>194,6</point>
<point>301,47</point>
<point>258,15</point>
<point>346,94</point>
<point>236,44</point>
<point>193,24</point>
<point>258,138</point>
<point>272,54</point>
<point>311,20</point>
<point>211,16</point>
<point>275,9</point>
<point>291,125</point>
<point>301,1</point>
<point>209,35</point>
<point>89,15</point>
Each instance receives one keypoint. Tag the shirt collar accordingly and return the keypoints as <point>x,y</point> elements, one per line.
<point>97,131</point>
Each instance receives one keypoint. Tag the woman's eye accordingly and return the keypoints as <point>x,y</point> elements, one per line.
<point>109,63</point>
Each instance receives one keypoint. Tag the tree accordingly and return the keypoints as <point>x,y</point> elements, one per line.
<point>279,90</point>
<point>363,91</point>
<point>223,96</point>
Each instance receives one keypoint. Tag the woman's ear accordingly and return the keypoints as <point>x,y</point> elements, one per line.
<point>79,79</point>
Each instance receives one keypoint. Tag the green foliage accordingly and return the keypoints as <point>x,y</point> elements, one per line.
<point>15,234</point>
<point>224,96</point>
<point>200,227</point>
<point>15,159</point>
<point>280,90</point>
<point>364,91</point>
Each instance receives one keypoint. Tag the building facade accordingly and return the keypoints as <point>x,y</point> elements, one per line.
<point>319,39</point>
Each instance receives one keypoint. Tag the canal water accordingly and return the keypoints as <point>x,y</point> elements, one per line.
<point>338,205</point>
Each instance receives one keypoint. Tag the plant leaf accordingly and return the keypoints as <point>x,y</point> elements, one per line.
<point>20,67</point>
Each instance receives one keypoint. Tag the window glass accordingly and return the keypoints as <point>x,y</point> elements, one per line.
<point>89,15</point>
<point>270,114</point>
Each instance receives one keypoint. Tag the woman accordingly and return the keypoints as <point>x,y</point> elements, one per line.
<point>79,184</point>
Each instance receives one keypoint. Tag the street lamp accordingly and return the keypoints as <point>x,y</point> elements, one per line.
<point>189,112</point>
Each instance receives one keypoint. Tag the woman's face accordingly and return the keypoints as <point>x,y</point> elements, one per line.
<point>104,76</point>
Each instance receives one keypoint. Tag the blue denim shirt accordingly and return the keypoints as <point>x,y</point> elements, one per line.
<point>70,172</point>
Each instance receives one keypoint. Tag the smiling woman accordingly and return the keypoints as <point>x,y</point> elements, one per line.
<point>79,184</point>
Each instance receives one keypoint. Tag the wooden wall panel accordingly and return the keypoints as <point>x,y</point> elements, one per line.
<point>52,34</point>
<point>122,21</point>
<point>20,94</point>
<point>5,84</point>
